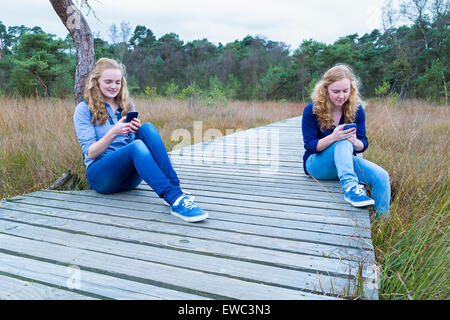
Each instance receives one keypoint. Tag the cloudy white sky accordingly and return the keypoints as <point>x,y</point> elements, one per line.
<point>289,21</point>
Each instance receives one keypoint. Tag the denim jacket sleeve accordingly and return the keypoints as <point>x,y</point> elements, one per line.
<point>85,130</point>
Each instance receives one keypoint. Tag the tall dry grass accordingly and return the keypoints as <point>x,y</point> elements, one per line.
<point>410,141</point>
<point>38,141</point>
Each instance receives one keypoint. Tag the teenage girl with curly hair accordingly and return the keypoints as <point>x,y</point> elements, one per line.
<point>119,155</point>
<point>330,149</point>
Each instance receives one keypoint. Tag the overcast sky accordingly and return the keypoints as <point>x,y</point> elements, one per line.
<point>289,21</point>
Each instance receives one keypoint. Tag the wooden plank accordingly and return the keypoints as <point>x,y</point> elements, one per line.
<point>182,279</point>
<point>275,161</point>
<point>253,201</point>
<point>144,195</point>
<point>275,193</point>
<point>261,190</point>
<point>263,182</point>
<point>288,177</point>
<point>188,178</point>
<point>353,240</point>
<point>86,281</point>
<point>204,197</point>
<point>146,192</point>
<point>228,267</point>
<point>220,221</point>
<point>16,289</point>
<point>146,232</point>
<point>159,213</point>
<point>153,204</point>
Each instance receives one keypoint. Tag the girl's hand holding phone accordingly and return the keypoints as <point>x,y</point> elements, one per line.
<point>340,133</point>
<point>135,124</point>
<point>121,128</point>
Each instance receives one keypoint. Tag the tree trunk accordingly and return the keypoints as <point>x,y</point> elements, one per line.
<point>82,37</point>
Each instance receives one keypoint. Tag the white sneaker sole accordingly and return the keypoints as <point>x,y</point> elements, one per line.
<point>361,203</point>
<point>190,219</point>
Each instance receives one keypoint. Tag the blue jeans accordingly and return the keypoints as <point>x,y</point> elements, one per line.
<point>144,158</point>
<point>338,162</point>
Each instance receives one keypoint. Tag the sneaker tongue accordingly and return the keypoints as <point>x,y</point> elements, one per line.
<point>178,200</point>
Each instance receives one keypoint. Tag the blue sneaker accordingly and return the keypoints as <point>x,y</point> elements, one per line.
<point>187,193</point>
<point>187,210</point>
<point>356,196</point>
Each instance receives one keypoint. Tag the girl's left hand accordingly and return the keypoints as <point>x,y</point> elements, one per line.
<point>135,124</point>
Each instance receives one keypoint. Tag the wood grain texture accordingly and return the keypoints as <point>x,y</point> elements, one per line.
<point>272,232</point>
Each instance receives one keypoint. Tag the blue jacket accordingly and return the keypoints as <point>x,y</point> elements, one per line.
<point>88,134</point>
<point>312,133</point>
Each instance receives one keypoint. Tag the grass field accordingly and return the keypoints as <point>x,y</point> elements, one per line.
<point>410,140</point>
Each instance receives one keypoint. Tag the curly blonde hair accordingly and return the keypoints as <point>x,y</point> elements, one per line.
<point>322,104</point>
<point>94,96</point>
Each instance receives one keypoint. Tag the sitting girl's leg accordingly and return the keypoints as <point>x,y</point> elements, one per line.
<point>335,162</point>
<point>151,138</point>
<point>378,179</point>
<point>343,158</point>
<point>116,172</point>
<point>321,165</point>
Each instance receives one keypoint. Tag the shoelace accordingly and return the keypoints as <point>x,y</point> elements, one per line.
<point>188,204</point>
<point>359,190</point>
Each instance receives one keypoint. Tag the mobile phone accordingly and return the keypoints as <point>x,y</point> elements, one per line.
<point>349,126</point>
<point>131,115</point>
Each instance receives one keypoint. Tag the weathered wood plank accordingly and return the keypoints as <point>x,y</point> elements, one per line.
<point>159,213</point>
<point>152,203</point>
<point>16,289</point>
<point>71,277</point>
<point>260,190</point>
<point>263,182</point>
<point>184,280</point>
<point>146,232</point>
<point>227,222</point>
<point>239,269</point>
<point>275,194</point>
<point>353,240</point>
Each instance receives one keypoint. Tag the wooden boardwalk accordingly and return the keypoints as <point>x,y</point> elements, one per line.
<point>273,233</point>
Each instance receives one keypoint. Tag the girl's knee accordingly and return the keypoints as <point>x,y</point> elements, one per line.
<point>381,178</point>
<point>139,146</point>
<point>149,128</point>
<point>344,143</point>
<point>384,176</point>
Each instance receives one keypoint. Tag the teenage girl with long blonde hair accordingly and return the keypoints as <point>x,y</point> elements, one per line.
<point>119,155</point>
<point>330,148</point>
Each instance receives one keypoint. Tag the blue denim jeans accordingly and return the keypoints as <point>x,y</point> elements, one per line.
<point>145,158</point>
<point>338,162</point>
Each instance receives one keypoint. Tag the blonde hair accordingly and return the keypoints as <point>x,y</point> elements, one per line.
<point>94,96</point>
<point>322,104</point>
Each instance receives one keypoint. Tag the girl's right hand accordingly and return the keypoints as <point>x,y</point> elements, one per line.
<point>340,134</point>
<point>121,128</point>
